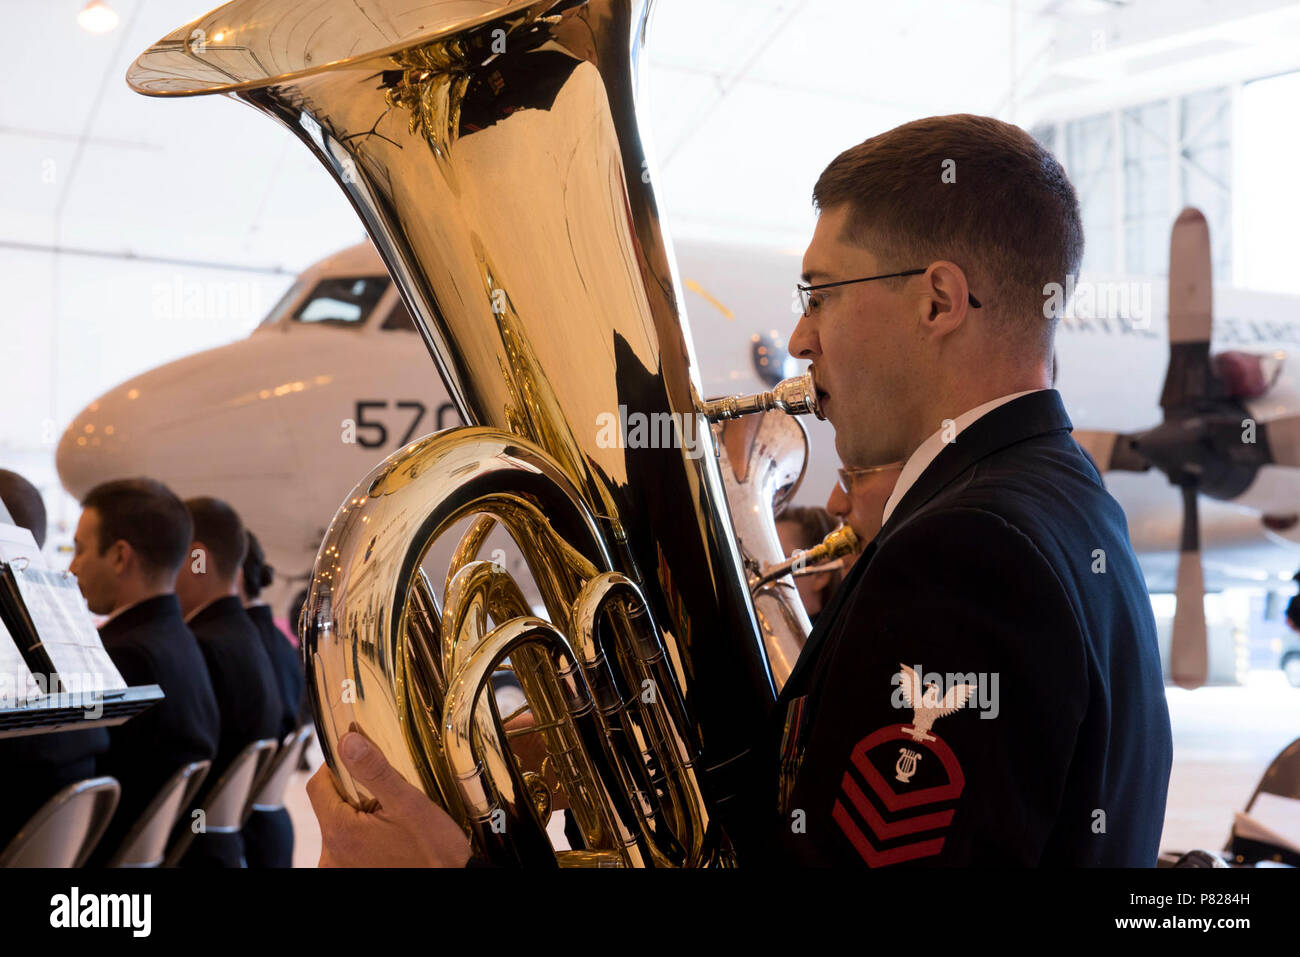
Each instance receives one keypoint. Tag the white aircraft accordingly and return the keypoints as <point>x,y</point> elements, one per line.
<point>284,423</point>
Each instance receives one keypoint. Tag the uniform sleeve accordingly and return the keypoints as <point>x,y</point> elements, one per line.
<point>942,723</point>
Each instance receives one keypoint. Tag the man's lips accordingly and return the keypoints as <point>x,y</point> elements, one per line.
<point>821,394</point>
<point>817,386</point>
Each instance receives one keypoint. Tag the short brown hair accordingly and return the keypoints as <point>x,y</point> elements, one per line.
<point>220,529</point>
<point>24,503</point>
<point>815,523</point>
<point>146,515</point>
<point>1008,214</point>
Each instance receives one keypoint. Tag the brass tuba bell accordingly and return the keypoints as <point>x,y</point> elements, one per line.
<point>492,151</point>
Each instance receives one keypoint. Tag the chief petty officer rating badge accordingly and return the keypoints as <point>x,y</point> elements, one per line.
<point>868,828</point>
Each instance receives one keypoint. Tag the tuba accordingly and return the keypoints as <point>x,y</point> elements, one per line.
<point>492,151</point>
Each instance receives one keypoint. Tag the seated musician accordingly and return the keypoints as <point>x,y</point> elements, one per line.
<point>130,541</point>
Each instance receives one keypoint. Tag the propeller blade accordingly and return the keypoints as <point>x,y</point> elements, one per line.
<point>1190,375</point>
<point>1111,451</point>
<point>1188,653</point>
<point>1283,438</point>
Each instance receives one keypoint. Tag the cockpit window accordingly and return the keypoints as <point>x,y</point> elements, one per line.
<point>281,307</point>
<point>398,318</point>
<point>342,302</point>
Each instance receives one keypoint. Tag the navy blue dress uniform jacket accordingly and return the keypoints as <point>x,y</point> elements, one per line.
<point>268,835</point>
<point>248,699</point>
<point>248,696</point>
<point>985,688</point>
<point>287,667</point>
<point>150,645</point>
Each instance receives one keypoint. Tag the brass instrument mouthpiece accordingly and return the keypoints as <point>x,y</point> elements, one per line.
<point>796,396</point>
<point>840,542</point>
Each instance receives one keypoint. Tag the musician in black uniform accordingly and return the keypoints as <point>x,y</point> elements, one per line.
<point>255,575</point>
<point>985,687</point>
<point>248,696</point>
<point>130,541</point>
<point>268,835</point>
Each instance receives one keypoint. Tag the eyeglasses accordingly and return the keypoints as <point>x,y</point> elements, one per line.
<point>851,473</point>
<point>805,291</point>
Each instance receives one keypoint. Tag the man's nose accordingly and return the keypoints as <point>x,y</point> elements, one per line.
<point>803,342</point>
<point>838,503</point>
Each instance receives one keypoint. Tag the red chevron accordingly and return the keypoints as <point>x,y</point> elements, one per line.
<point>885,830</point>
<point>875,858</point>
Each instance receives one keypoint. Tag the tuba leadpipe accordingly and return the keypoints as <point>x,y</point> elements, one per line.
<point>491,150</point>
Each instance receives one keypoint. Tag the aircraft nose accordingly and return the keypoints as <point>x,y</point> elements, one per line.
<point>95,446</point>
<point>182,423</point>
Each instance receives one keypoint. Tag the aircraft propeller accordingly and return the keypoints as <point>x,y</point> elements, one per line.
<point>1208,442</point>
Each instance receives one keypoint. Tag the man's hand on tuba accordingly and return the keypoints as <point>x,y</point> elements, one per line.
<point>406,829</point>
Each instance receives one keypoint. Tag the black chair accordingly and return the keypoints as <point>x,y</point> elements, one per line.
<point>226,807</point>
<point>145,844</point>
<point>1197,858</point>
<point>268,793</point>
<point>1282,779</point>
<point>66,828</point>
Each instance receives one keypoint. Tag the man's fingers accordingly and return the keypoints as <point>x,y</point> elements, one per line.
<point>368,765</point>
<point>335,816</point>
<point>322,793</point>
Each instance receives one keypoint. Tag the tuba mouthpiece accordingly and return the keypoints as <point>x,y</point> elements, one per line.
<point>795,396</point>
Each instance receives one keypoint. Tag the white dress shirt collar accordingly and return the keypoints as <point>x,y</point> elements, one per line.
<point>929,450</point>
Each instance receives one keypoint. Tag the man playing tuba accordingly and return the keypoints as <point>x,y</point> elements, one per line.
<point>985,688</point>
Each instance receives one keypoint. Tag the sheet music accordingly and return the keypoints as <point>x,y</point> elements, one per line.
<point>17,685</point>
<point>17,544</point>
<point>63,621</point>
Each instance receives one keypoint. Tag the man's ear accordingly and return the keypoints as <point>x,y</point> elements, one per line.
<point>947,292</point>
<point>121,554</point>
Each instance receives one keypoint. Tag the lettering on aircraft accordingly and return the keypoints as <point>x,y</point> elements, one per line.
<point>1227,330</point>
<point>377,428</point>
